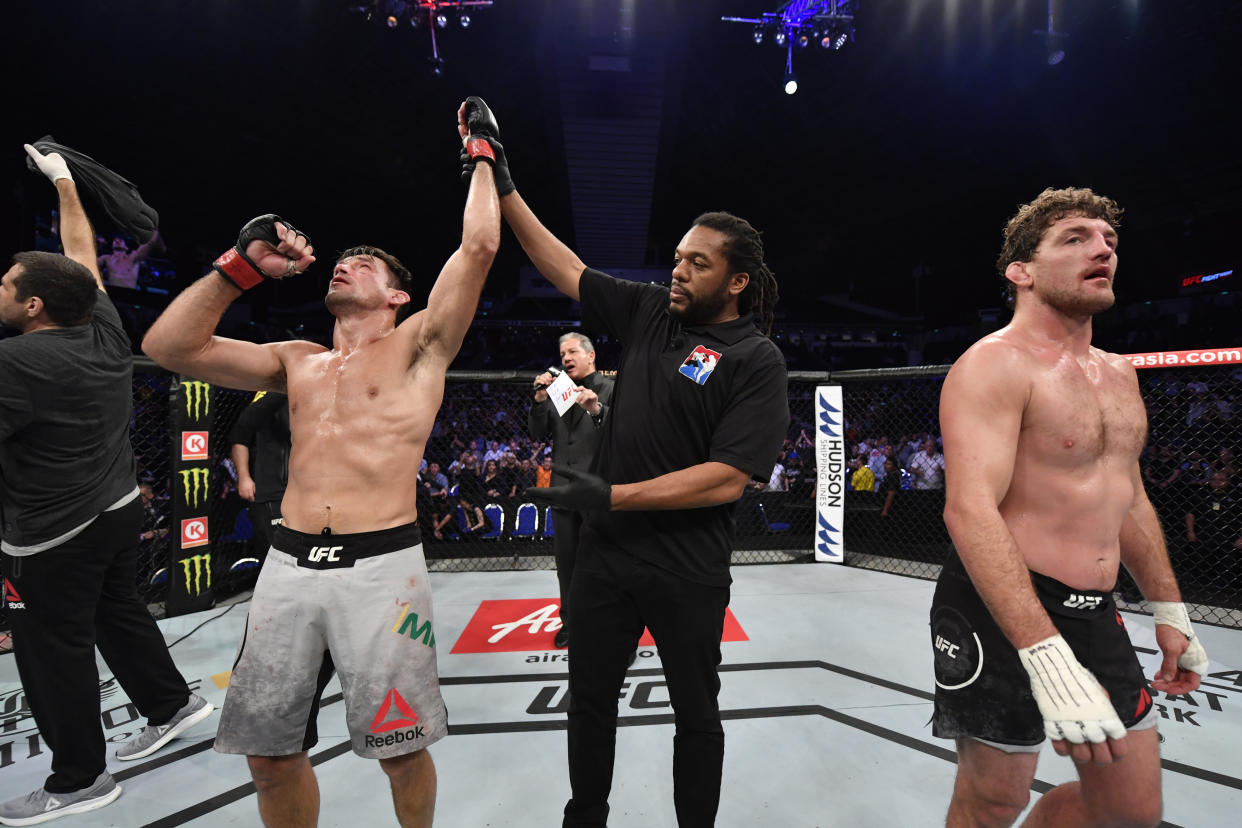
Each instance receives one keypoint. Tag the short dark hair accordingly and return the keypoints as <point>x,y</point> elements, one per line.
<point>744,253</point>
<point>404,279</point>
<point>67,288</point>
<point>1023,232</point>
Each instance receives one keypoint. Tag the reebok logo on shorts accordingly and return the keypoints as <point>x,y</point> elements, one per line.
<point>406,719</point>
<point>700,364</point>
<point>11,597</point>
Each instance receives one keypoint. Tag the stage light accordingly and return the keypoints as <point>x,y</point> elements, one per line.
<point>464,20</point>
<point>779,37</point>
<point>441,20</point>
<point>802,41</point>
<point>830,23</point>
<point>1056,56</point>
<point>841,40</point>
<point>758,35</point>
<point>791,83</point>
<point>392,21</point>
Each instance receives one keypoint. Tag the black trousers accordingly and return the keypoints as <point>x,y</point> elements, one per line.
<point>614,596</point>
<point>77,596</point>
<point>568,527</point>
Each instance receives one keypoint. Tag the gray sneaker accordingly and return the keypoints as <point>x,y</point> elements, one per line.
<point>154,737</point>
<point>40,806</point>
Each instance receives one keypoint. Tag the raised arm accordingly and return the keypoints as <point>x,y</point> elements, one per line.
<point>182,338</point>
<point>558,264</point>
<point>76,233</point>
<point>981,407</point>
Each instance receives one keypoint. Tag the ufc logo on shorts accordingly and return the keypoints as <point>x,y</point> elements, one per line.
<point>1087,602</point>
<point>324,553</point>
<point>944,646</point>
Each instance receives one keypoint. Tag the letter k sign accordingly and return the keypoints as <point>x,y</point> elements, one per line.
<point>407,719</point>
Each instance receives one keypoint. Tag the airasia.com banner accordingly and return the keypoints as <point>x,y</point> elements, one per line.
<point>1205,356</point>
<point>522,625</point>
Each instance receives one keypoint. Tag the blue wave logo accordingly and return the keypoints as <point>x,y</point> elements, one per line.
<point>827,543</point>
<point>828,425</point>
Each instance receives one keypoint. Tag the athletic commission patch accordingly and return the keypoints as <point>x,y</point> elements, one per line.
<point>700,364</point>
<point>958,652</point>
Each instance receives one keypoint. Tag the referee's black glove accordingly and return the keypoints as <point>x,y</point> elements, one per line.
<point>585,492</point>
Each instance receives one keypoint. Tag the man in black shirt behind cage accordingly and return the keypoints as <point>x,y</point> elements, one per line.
<point>71,516</point>
<point>700,406</point>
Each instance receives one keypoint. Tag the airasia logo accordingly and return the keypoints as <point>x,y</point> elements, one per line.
<point>193,532</point>
<point>194,445</point>
<point>529,624</point>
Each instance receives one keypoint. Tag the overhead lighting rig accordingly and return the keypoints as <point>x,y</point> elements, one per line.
<point>423,14</point>
<point>828,24</point>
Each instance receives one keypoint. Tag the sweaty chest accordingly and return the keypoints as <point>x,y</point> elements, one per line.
<point>339,389</point>
<point>1076,415</point>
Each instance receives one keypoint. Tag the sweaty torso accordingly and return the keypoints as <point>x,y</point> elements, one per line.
<point>1082,430</point>
<point>359,423</point>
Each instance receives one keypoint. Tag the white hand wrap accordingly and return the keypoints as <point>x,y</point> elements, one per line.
<point>1074,705</point>
<point>51,165</point>
<point>1173,614</point>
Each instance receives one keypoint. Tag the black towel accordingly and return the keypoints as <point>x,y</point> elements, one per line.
<point>116,194</point>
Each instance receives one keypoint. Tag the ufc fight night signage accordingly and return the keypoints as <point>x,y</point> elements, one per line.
<point>190,563</point>
<point>829,540</point>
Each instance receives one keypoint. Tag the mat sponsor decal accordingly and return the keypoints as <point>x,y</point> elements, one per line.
<point>20,740</point>
<point>530,624</point>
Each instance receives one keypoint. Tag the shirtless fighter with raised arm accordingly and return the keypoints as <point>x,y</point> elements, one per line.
<point>348,562</point>
<point>1044,500</point>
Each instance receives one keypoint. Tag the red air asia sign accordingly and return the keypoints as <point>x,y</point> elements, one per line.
<point>531,623</point>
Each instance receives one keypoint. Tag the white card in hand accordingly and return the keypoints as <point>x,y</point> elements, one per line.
<point>562,393</point>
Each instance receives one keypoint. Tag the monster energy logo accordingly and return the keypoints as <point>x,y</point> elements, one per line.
<point>197,395</point>
<point>191,479</point>
<point>200,565</point>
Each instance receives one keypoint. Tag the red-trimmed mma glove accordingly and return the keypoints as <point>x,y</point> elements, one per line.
<point>483,144</point>
<point>239,268</point>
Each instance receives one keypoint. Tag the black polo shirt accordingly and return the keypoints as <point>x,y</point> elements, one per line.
<point>263,427</point>
<point>66,395</point>
<point>683,396</point>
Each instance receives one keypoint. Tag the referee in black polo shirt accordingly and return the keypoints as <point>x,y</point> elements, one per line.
<point>699,407</point>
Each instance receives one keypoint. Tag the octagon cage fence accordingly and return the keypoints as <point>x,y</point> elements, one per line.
<point>1189,466</point>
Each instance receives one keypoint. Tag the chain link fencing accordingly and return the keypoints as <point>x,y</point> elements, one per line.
<point>485,524</point>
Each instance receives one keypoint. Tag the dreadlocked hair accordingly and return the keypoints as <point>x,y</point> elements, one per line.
<point>744,252</point>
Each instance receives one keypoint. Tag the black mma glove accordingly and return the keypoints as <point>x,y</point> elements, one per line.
<point>236,266</point>
<point>585,492</point>
<point>483,144</point>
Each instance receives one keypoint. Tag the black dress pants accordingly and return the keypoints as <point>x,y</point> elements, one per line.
<point>614,596</point>
<point>568,525</point>
<point>77,596</point>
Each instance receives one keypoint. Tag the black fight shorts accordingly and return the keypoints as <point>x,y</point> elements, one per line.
<point>982,689</point>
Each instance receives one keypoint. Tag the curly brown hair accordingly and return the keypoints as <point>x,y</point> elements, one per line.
<point>1023,232</point>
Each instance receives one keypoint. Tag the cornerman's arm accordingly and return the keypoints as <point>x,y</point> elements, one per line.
<point>558,264</point>
<point>455,295</point>
<point>76,233</point>
<point>981,416</point>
